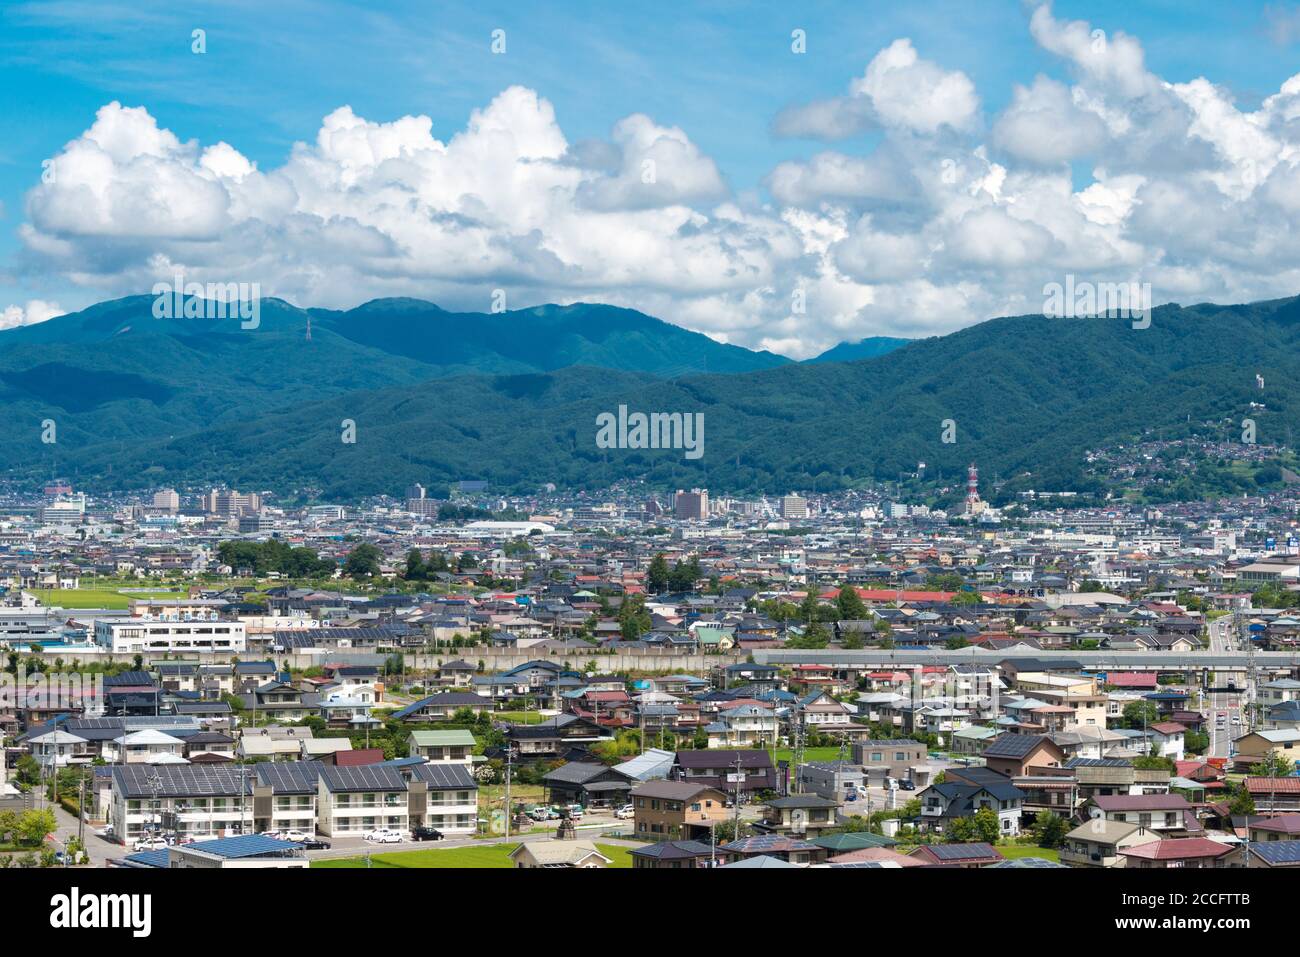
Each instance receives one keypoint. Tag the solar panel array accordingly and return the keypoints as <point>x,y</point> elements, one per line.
<point>135,782</point>
<point>145,722</point>
<point>769,842</point>
<point>292,639</point>
<point>961,852</point>
<point>365,778</point>
<point>444,776</point>
<point>290,777</point>
<point>1277,852</point>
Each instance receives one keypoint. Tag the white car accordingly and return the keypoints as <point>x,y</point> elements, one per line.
<point>384,836</point>
<point>151,844</point>
<point>625,812</point>
<point>295,836</point>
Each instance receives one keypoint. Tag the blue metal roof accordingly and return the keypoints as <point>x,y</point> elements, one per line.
<point>148,859</point>
<point>249,845</point>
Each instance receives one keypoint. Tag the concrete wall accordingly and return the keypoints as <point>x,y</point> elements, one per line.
<point>494,659</point>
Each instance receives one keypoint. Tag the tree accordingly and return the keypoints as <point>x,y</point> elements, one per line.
<point>1273,766</point>
<point>1241,804</point>
<point>633,619</point>
<point>849,606</point>
<point>1153,762</point>
<point>982,826</point>
<point>814,635</point>
<point>728,830</point>
<point>1138,714</point>
<point>1050,829</point>
<point>810,607</point>
<point>415,567</point>
<point>956,642</point>
<point>29,771</point>
<point>657,574</point>
<point>684,575</point>
<point>362,561</point>
<point>34,825</point>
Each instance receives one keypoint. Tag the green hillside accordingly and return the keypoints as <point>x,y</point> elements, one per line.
<point>867,348</point>
<point>1028,396</point>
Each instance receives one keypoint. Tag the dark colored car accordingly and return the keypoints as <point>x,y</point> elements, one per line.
<point>426,834</point>
<point>907,785</point>
<point>315,844</point>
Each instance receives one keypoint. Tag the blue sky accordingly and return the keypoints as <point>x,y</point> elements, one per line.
<point>718,71</point>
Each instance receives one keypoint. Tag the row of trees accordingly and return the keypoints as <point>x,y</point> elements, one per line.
<point>274,555</point>
<point>418,568</point>
<point>682,577</point>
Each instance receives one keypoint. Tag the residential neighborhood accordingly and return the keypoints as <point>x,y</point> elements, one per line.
<point>701,690</point>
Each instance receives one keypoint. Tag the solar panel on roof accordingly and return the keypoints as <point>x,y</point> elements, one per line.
<point>136,782</point>
<point>960,852</point>
<point>290,777</point>
<point>1277,852</point>
<point>445,776</point>
<point>363,778</point>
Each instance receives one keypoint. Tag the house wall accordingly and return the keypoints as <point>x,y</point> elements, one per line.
<point>658,819</point>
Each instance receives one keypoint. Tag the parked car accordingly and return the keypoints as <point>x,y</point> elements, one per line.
<point>151,844</point>
<point>315,844</point>
<point>625,812</point>
<point>294,835</point>
<point>907,785</point>
<point>426,834</point>
<point>850,795</point>
<point>384,835</point>
<point>575,812</point>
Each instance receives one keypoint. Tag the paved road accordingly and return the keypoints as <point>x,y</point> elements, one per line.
<point>99,849</point>
<point>1223,640</point>
<point>356,847</point>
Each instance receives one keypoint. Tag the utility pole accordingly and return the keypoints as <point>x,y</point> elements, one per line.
<point>81,809</point>
<point>735,818</point>
<point>510,753</point>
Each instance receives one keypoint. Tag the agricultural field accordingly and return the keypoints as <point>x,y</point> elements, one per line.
<point>98,597</point>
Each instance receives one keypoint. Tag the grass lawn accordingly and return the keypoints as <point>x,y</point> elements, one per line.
<point>489,794</point>
<point>97,597</point>
<point>815,754</point>
<point>487,855</point>
<point>518,717</point>
<point>1029,850</point>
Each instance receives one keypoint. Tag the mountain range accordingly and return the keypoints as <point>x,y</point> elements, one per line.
<point>513,398</point>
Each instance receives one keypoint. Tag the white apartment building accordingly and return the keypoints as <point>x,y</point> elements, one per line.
<point>187,800</point>
<point>354,800</point>
<point>193,801</point>
<point>444,796</point>
<point>146,634</point>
